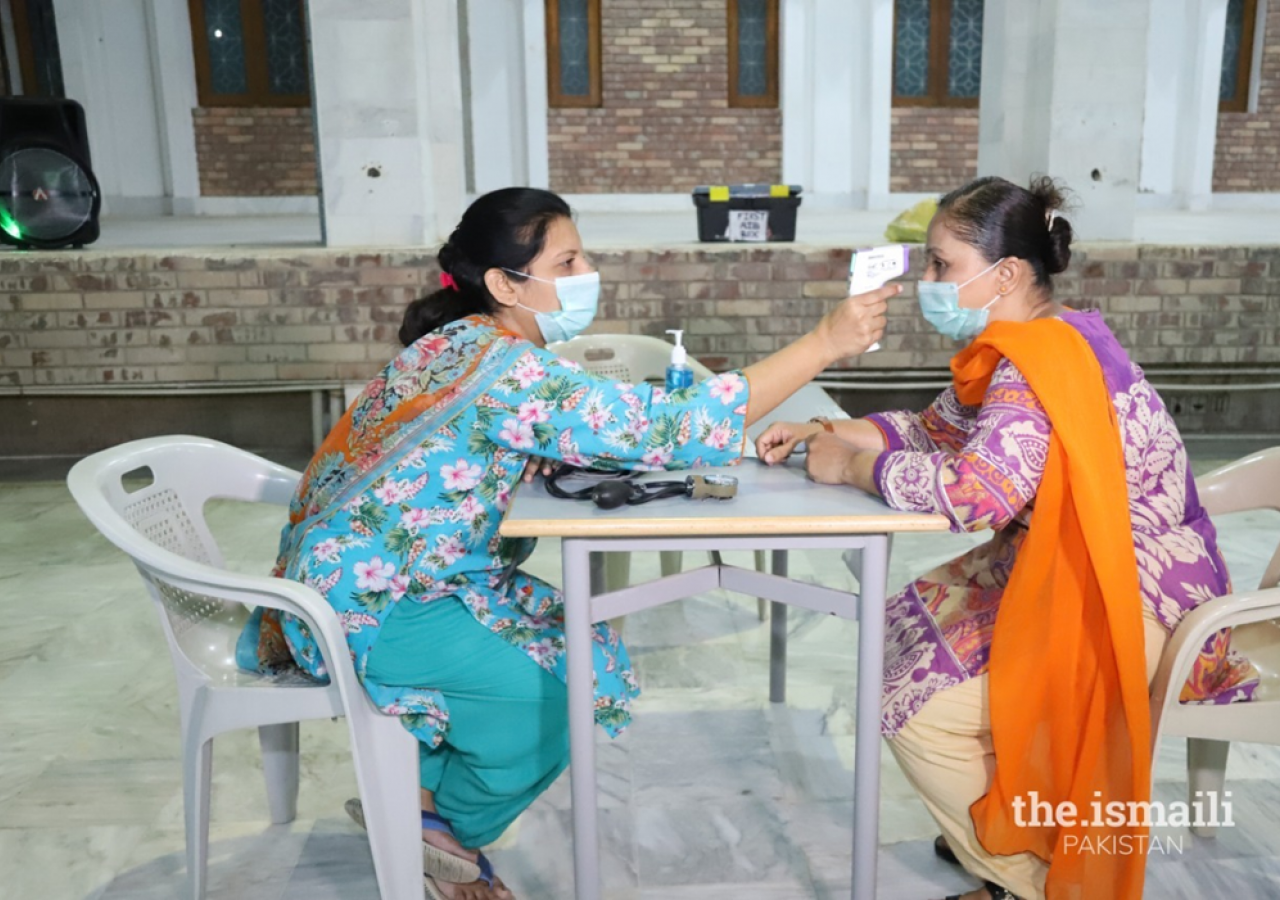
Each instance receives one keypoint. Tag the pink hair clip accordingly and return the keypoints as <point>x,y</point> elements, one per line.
<point>446,281</point>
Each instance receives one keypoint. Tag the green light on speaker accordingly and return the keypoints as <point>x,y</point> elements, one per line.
<point>10,225</point>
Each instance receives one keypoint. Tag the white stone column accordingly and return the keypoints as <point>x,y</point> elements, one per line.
<point>1184,53</point>
<point>1063,91</point>
<point>535,87</point>
<point>876,119</point>
<point>836,94</point>
<point>507,53</point>
<point>105,53</point>
<point>14,71</point>
<point>174,67</point>
<point>388,104</point>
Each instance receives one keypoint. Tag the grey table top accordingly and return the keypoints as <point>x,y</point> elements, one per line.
<point>771,500</point>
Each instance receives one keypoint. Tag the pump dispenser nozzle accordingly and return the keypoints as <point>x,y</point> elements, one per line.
<point>678,354</point>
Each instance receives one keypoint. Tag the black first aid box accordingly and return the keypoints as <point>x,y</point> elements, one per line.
<point>747,212</point>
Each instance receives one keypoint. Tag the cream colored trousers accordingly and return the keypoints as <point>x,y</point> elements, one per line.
<point>945,751</point>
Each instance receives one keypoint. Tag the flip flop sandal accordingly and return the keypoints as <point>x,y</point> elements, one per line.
<point>432,889</point>
<point>943,851</point>
<point>437,863</point>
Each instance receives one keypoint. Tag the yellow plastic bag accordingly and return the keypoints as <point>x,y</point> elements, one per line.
<point>912,225</point>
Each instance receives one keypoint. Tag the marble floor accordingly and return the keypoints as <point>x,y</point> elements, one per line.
<point>714,794</point>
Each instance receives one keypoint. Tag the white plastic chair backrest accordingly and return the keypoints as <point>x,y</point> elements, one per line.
<point>631,358</point>
<point>168,513</point>
<point>1247,484</point>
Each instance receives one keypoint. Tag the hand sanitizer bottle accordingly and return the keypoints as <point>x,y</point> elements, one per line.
<point>679,375</point>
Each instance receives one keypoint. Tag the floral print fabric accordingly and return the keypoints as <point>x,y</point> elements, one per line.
<point>403,501</point>
<point>980,467</point>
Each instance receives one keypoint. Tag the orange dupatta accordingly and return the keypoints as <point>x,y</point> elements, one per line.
<point>1070,720</point>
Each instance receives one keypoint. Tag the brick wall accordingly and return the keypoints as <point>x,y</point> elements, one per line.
<point>665,125</point>
<point>1248,148</point>
<point>932,149</point>
<point>255,152</point>
<point>101,318</point>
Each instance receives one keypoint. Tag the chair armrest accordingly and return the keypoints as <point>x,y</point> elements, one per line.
<point>1196,628</point>
<point>1242,485</point>
<point>258,480</point>
<point>281,594</point>
<point>278,485</point>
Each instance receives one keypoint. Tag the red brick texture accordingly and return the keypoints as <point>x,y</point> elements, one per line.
<point>1248,149</point>
<point>932,149</point>
<point>255,152</point>
<point>105,318</point>
<point>666,124</point>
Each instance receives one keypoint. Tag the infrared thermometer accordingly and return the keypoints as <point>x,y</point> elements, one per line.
<point>871,269</point>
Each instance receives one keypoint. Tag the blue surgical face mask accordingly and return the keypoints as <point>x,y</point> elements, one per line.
<point>579,297</point>
<point>940,304</point>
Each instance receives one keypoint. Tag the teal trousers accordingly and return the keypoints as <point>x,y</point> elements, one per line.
<point>508,735</point>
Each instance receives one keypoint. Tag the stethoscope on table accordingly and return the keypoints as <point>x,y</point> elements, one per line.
<point>620,489</point>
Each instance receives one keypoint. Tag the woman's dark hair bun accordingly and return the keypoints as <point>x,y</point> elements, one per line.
<point>504,229</point>
<point>447,257</point>
<point>1054,198</point>
<point>1002,219</point>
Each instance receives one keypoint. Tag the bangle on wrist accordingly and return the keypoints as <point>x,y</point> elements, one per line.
<point>824,422</point>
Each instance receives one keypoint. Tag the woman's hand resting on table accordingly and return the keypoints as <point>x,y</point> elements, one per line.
<point>828,460</point>
<point>831,460</point>
<point>780,439</point>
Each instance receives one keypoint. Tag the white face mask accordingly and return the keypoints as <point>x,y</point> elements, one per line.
<point>940,305</point>
<point>579,297</point>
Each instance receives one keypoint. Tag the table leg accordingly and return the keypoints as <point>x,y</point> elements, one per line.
<point>762,565</point>
<point>598,580</point>
<point>866,772</point>
<point>778,637</point>
<point>582,747</point>
<point>853,559</point>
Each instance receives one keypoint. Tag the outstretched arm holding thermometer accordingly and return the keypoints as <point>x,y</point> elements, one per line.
<point>828,444</point>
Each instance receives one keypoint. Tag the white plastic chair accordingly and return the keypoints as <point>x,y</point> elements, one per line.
<point>203,607</point>
<point>1248,484</point>
<point>634,358</point>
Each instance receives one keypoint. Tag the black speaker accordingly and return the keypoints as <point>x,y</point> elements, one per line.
<point>48,195</point>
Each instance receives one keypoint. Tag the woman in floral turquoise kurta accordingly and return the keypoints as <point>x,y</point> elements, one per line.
<point>402,506</point>
<point>395,522</point>
<point>419,519</point>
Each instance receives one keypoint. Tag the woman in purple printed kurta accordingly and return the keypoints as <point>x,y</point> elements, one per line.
<point>981,467</point>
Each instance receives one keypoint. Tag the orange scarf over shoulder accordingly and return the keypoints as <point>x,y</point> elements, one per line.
<point>1070,721</point>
